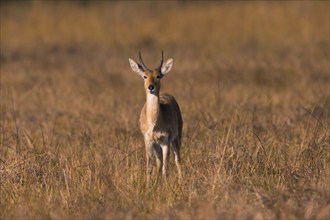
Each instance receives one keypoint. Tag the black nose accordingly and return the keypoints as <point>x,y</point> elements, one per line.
<point>151,87</point>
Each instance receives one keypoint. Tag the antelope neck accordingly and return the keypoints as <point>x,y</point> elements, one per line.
<point>152,108</point>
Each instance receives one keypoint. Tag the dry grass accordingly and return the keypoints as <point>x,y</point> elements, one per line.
<point>252,80</point>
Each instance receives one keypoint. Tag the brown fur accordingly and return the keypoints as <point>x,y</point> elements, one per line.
<point>161,124</point>
<point>168,118</point>
<point>160,119</point>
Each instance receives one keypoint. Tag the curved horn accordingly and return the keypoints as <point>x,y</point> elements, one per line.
<point>161,61</point>
<point>142,63</point>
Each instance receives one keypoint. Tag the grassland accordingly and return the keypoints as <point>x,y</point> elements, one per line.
<point>252,80</point>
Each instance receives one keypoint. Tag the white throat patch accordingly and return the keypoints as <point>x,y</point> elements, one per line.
<point>152,109</point>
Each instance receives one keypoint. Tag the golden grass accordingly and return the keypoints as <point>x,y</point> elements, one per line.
<point>252,81</point>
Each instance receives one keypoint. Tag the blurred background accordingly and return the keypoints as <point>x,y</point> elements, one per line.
<point>70,102</point>
<point>277,46</point>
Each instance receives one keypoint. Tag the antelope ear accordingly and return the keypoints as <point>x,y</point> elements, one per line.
<point>137,68</point>
<point>167,66</point>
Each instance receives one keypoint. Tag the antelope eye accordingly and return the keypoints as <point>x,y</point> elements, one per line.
<point>144,77</point>
<point>158,76</point>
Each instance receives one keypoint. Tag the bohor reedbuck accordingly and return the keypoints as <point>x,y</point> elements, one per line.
<point>160,119</point>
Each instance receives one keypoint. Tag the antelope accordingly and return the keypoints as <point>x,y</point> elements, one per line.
<point>160,119</point>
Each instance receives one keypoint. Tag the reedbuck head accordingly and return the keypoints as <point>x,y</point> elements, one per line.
<point>151,77</point>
